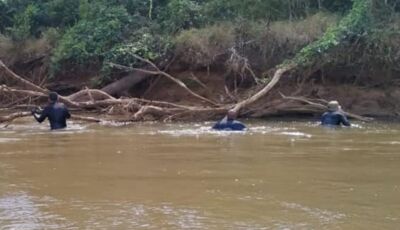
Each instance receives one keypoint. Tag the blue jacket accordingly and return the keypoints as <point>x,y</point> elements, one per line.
<point>334,118</point>
<point>229,125</point>
<point>57,113</point>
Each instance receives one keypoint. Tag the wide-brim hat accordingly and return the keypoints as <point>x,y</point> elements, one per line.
<point>333,106</point>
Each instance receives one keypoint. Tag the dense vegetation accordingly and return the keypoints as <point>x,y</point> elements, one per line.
<point>240,49</point>
<point>86,35</point>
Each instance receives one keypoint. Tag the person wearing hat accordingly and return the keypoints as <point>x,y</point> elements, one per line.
<point>229,123</point>
<point>334,115</point>
<point>56,112</point>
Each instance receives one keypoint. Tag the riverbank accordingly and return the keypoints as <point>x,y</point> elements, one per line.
<point>378,102</point>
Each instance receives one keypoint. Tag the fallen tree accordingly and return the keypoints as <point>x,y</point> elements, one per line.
<point>117,88</point>
<point>134,109</point>
<point>315,55</point>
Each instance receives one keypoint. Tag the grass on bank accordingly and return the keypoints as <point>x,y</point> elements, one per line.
<point>265,43</point>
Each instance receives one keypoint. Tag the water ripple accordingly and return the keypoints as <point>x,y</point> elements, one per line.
<point>21,211</point>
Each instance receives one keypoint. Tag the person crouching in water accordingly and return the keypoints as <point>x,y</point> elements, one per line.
<point>56,112</point>
<point>229,123</point>
<point>334,116</point>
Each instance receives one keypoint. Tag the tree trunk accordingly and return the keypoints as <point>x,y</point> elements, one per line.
<point>117,88</point>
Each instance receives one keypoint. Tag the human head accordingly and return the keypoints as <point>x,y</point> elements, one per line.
<point>333,106</point>
<point>53,97</point>
<point>231,115</point>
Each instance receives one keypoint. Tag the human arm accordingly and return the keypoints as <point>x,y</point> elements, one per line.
<point>40,116</point>
<point>323,118</point>
<point>67,114</point>
<point>217,126</point>
<point>220,124</point>
<point>238,126</point>
<point>344,120</point>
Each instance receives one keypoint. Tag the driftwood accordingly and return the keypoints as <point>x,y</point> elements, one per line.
<point>321,107</point>
<point>13,116</point>
<point>275,79</point>
<point>138,109</point>
<point>91,99</point>
<point>27,84</point>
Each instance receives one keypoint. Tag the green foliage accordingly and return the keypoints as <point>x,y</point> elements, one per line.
<point>143,44</point>
<point>353,25</point>
<point>340,6</point>
<point>180,15</point>
<point>270,9</point>
<point>252,9</point>
<point>25,23</point>
<point>61,13</point>
<point>5,16</point>
<point>87,41</point>
<point>92,32</point>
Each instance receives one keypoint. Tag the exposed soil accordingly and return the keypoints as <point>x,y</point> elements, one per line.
<point>378,102</point>
<point>381,102</point>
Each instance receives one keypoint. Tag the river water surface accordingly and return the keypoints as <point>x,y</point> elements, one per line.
<point>277,175</point>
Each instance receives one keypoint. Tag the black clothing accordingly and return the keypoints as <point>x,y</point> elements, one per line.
<point>334,118</point>
<point>57,113</point>
<point>229,125</point>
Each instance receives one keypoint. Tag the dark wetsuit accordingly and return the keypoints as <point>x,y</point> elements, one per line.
<point>334,118</point>
<point>229,125</point>
<point>57,114</point>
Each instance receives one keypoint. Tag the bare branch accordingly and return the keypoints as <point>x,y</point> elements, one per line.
<point>157,71</point>
<point>322,107</point>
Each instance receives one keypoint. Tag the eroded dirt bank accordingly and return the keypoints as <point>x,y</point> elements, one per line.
<point>380,102</point>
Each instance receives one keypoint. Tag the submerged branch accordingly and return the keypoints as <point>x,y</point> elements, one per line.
<point>322,107</point>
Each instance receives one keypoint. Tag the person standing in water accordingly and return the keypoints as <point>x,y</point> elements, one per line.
<point>334,115</point>
<point>56,112</point>
<point>229,123</point>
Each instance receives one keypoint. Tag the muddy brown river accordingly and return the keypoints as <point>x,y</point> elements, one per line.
<point>277,175</point>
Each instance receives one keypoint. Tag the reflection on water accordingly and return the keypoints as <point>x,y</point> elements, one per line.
<point>21,211</point>
<point>277,175</point>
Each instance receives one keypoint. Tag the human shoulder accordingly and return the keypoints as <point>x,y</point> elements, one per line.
<point>237,125</point>
<point>48,108</point>
<point>236,122</point>
<point>339,113</point>
<point>60,105</point>
<point>326,114</point>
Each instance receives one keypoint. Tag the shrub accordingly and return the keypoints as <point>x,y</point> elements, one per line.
<point>61,13</point>
<point>273,42</point>
<point>200,47</point>
<point>12,51</point>
<point>5,16</point>
<point>87,41</point>
<point>25,23</point>
<point>143,44</point>
<point>181,15</point>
